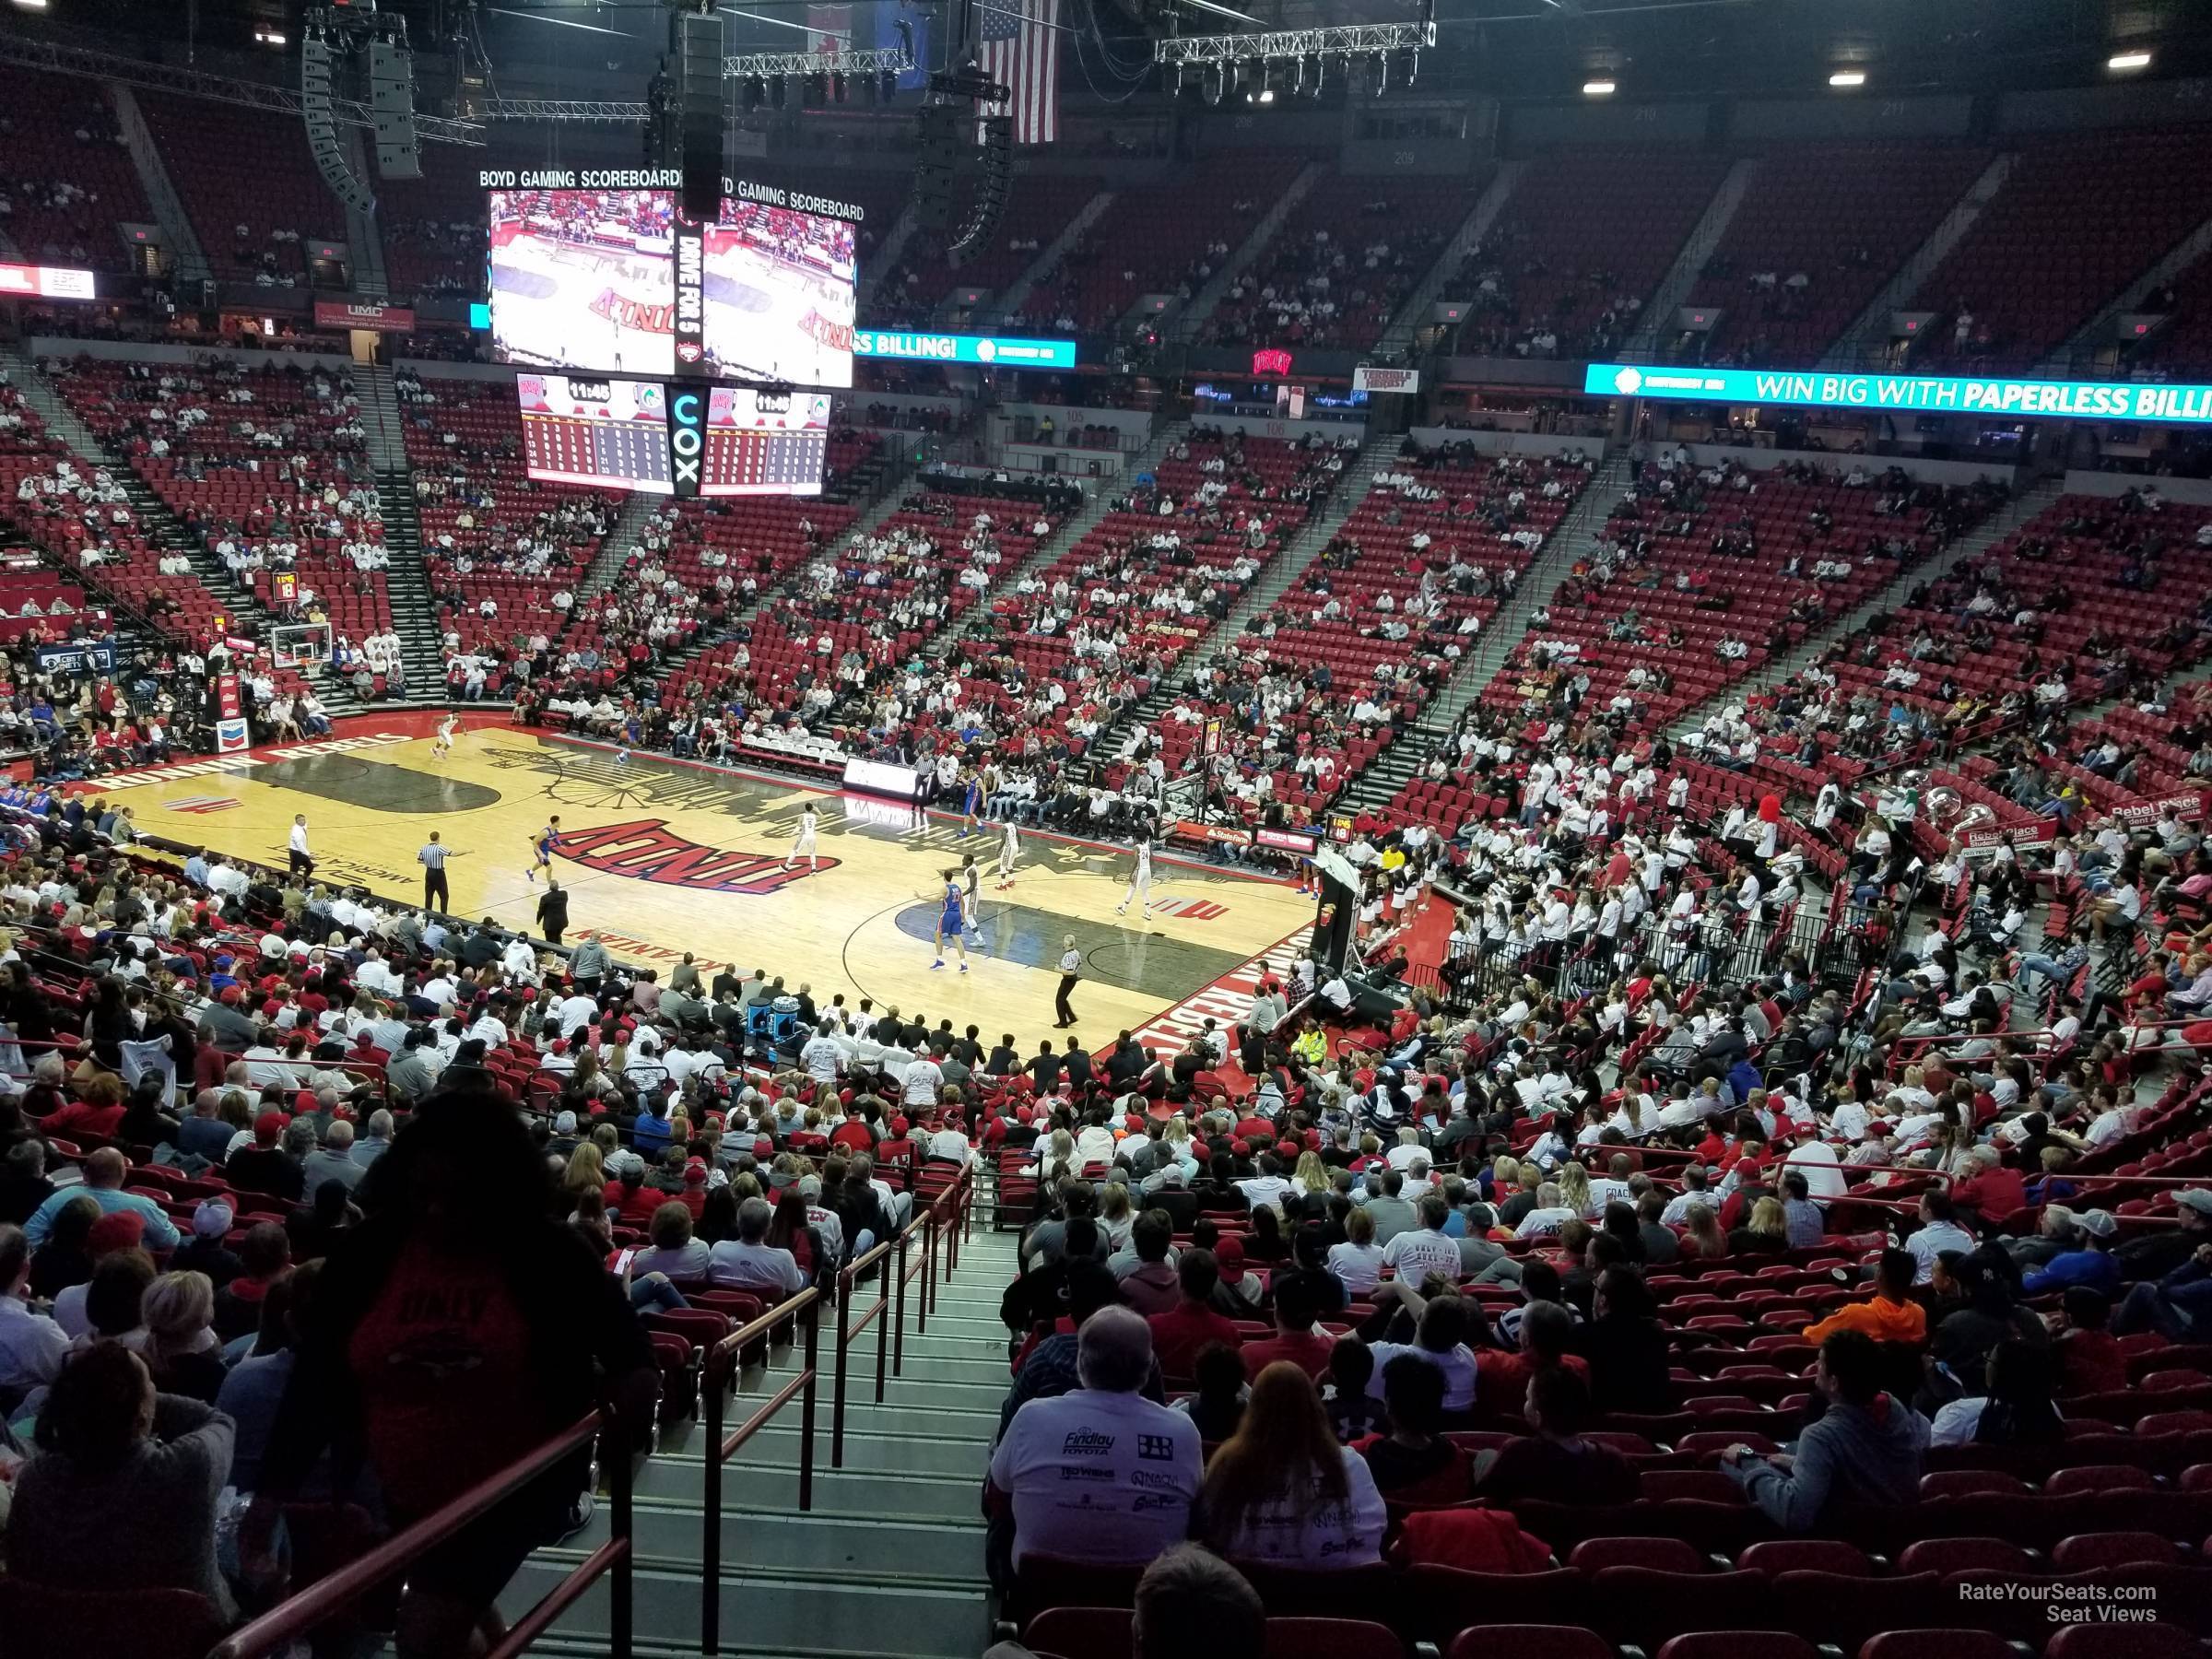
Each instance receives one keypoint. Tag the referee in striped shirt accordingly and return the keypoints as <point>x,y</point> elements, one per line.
<point>435,894</point>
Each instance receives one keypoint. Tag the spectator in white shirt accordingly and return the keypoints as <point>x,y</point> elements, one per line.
<point>1414,1255</point>
<point>1282,1490</point>
<point>32,1346</point>
<point>1937,1233</point>
<point>1136,1465</point>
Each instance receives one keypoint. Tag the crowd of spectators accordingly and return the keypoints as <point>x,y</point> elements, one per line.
<point>244,1118</point>
<point>1458,1250</point>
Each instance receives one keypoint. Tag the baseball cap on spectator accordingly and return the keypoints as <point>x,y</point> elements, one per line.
<point>810,1188</point>
<point>1228,1255</point>
<point>268,1127</point>
<point>2196,1198</point>
<point>118,1229</point>
<point>694,1171</point>
<point>231,995</point>
<point>212,1220</point>
<point>2097,1223</point>
<point>565,1123</point>
<point>764,1149</point>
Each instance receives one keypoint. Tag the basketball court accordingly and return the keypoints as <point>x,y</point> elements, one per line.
<point>665,857</point>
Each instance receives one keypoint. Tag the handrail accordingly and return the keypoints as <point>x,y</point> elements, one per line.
<point>275,1631</point>
<point>847,1334</point>
<point>721,1361</point>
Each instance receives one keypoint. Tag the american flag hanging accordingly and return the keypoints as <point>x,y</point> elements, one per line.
<point>1021,49</point>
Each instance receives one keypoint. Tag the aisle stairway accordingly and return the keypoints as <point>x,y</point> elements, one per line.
<point>889,1559</point>
<point>1573,539</point>
<point>414,612</point>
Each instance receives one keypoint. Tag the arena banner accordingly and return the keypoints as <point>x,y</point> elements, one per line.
<point>1986,841</point>
<point>1288,840</point>
<point>994,351</point>
<point>1908,393</point>
<point>230,731</point>
<point>1220,835</point>
<point>89,656</point>
<point>372,315</point>
<point>664,178</point>
<point>46,282</point>
<point>690,315</point>
<point>1368,378</point>
<point>2135,814</point>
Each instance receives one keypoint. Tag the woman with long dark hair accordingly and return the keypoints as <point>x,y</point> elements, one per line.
<point>1282,1490</point>
<point>791,1230</point>
<point>458,1328</point>
<point>2018,1409</point>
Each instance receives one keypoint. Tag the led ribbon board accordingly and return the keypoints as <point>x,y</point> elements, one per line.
<point>996,351</point>
<point>1908,393</point>
<point>45,282</point>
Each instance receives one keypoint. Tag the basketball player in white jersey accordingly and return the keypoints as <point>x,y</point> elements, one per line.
<point>442,745</point>
<point>802,845</point>
<point>1140,878</point>
<point>1009,849</point>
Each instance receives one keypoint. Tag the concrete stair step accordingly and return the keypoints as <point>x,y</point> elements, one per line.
<point>759,1538</point>
<point>909,1450</point>
<point>868,1612</point>
<point>878,1487</point>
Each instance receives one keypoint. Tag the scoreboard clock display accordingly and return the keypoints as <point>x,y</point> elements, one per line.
<point>765,444</point>
<point>611,433</point>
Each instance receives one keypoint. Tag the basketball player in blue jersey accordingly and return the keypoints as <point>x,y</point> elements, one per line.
<point>972,802</point>
<point>951,920</point>
<point>541,850</point>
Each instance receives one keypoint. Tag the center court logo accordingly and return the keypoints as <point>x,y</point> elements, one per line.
<point>647,850</point>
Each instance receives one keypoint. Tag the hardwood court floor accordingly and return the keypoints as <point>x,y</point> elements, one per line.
<point>664,857</point>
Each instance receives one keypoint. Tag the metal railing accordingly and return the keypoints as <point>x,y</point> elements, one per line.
<point>275,1631</point>
<point>718,1374</point>
<point>942,1222</point>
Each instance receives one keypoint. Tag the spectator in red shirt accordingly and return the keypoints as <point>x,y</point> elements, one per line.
<point>1989,1190</point>
<point>1183,1330</point>
<point>2089,1361</point>
<point>854,1133</point>
<point>97,1111</point>
<point>1501,1379</point>
<point>1295,1339</point>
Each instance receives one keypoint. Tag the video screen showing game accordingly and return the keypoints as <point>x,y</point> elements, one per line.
<point>586,279</point>
<point>765,442</point>
<point>612,433</point>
